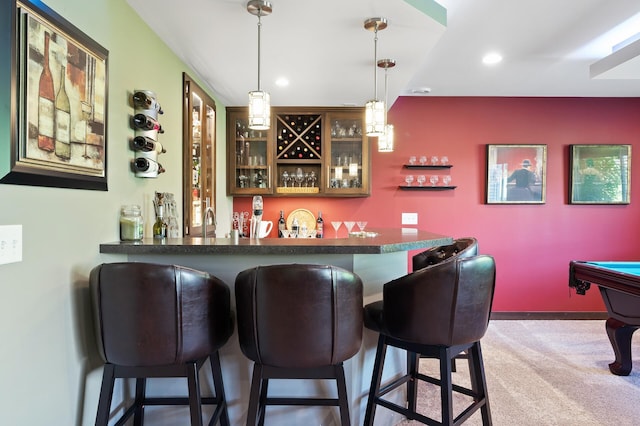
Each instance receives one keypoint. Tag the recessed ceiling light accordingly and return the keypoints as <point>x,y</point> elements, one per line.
<point>421,90</point>
<point>282,82</point>
<point>492,58</point>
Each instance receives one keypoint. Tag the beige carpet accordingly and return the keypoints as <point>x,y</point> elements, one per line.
<point>548,373</point>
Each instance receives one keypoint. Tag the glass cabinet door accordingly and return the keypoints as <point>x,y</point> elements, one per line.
<point>250,157</point>
<point>198,156</point>
<point>347,162</point>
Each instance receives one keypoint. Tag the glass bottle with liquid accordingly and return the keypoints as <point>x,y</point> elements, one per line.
<point>282,224</point>
<point>160,226</point>
<point>319,226</point>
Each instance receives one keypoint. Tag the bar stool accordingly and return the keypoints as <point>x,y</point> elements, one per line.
<point>436,312</point>
<point>159,321</point>
<point>461,247</point>
<point>298,322</point>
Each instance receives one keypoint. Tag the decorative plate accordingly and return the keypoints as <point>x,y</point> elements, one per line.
<point>303,215</point>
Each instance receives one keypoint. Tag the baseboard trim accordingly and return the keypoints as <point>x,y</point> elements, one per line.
<point>549,315</point>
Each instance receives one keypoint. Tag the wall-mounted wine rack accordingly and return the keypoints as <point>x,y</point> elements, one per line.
<point>145,141</point>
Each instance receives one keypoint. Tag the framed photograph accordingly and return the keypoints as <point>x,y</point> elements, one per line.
<point>600,174</point>
<point>59,114</point>
<point>516,174</point>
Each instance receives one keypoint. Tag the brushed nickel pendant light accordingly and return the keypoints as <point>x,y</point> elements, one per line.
<point>259,101</point>
<point>375,108</point>
<point>385,142</point>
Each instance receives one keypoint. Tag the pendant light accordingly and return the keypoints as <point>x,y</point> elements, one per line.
<point>259,101</point>
<point>375,109</point>
<point>385,141</point>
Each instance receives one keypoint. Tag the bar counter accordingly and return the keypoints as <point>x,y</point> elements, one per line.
<point>376,260</point>
<point>387,241</point>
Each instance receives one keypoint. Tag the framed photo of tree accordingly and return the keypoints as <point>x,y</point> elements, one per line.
<point>516,174</point>
<point>600,174</point>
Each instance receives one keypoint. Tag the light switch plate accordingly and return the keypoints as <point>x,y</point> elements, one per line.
<point>409,218</point>
<point>10,244</point>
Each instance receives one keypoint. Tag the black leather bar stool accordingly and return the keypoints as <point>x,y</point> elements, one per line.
<point>159,321</point>
<point>436,312</point>
<point>298,322</point>
<point>461,247</point>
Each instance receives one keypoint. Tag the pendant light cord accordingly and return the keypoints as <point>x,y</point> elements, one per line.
<point>259,27</point>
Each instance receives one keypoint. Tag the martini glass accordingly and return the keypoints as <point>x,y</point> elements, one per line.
<point>336,225</point>
<point>349,226</point>
<point>361,225</point>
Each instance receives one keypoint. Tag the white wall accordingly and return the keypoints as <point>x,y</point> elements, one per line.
<point>50,373</point>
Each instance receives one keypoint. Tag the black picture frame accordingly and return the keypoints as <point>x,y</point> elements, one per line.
<point>516,174</point>
<point>58,97</point>
<point>600,174</point>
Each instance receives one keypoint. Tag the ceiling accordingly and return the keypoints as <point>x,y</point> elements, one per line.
<point>323,49</point>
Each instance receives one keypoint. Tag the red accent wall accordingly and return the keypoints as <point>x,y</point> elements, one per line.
<point>532,244</point>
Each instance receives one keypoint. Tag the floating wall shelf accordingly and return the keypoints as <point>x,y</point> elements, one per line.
<point>427,166</point>
<point>426,188</point>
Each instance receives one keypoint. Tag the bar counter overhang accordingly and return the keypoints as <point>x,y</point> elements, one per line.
<point>376,260</point>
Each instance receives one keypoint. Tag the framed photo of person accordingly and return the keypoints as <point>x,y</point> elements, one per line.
<point>59,102</point>
<point>516,174</point>
<point>600,174</point>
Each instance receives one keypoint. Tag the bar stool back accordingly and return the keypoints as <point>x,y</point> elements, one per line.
<point>298,322</point>
<point>159,321</point>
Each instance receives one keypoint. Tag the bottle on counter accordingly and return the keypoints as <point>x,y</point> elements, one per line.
<point>295,228</point>
<point>131,223</point>
<point>319,226</point>
<point>282,224</point>
<point>160,226</point>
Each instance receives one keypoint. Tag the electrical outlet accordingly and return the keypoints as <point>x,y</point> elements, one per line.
<point>409,218</point>
<point>10,244</point>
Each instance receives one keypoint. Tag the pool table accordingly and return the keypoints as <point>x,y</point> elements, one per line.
<point>619,284</point>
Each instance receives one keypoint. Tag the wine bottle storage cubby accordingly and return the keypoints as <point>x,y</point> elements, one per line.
<point>299,137</point>
<point>147,127</point>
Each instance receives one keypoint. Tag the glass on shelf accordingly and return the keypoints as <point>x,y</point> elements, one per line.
<point>434,160</point>
<point>336,225</point>
<point>408,179</point>
<point>433,180</point>
<point>423,160</point>
<point>446,180</point>
<point>349,225</point>
<point>412,160</point>
<point>421,179</point>
<point>444,160</point>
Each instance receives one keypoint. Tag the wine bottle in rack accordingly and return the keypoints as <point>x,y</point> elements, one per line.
<point>146,167</point>
<point>146,144</point>
<point>45,103</point>
<point>63,120</point>
<point>144,122</point>
<point>145,99</point>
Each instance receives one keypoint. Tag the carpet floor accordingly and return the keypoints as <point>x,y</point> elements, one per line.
<point>543,372</point>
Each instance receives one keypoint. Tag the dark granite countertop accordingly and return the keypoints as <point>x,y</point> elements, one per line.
<point>387,241</point>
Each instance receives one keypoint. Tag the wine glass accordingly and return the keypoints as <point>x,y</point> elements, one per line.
<point>446,180</point>
<point>433,180</point>
<point>444,160</point>
<point>336,225</point>
<point>408,179</point>
<point>412,160</point>
<point>423,160</point>
<point>361,224</point>
<point>349,225</point>
<point>285,178</point>
<point>299,176</point>
<point>285,233</point>
<point>421,179</point>
<point>434,160</point>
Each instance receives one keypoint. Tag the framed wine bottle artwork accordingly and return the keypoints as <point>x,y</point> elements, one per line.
<point>59,102</point>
